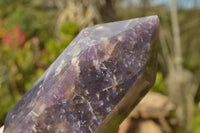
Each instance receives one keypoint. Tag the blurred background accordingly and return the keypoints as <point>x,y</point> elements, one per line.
<point>33,33</point>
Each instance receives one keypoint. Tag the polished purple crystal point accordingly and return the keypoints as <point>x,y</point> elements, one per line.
<point>94,83</point>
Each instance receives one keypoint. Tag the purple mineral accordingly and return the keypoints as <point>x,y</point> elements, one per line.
<point>94,84</point>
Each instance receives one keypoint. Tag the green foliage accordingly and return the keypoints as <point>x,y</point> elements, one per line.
<point>53,47</point>
<point>33,20</point>
<point>18,73</point>
<point>21,66</point>
<point>69,28</point>
<point>191,63</point>
<point>160,85</point>
<point>196,120</point>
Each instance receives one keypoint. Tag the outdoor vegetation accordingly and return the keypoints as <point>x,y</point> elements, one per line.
<point>34,33</point>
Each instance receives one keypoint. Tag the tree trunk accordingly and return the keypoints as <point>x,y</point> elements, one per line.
<point>182,85</point>
<point>86,12</point>
<point>176,34</point>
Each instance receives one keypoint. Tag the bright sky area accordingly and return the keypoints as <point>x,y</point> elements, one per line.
<point>187,4</point>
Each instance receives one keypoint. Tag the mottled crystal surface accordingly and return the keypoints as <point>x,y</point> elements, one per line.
<point>95,82</point>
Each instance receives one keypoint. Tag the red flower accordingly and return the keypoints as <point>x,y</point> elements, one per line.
<point>17,37</point>
<point>7,38</point>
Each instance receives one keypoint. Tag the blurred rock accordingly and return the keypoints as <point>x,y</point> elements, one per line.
<point>152,115</point>
<point>148,126</point>
<point>154,105</point>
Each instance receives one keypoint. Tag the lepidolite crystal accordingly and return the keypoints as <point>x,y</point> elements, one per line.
<point>94,83</point>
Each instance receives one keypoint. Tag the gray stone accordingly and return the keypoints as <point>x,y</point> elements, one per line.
<point>94,84</point>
